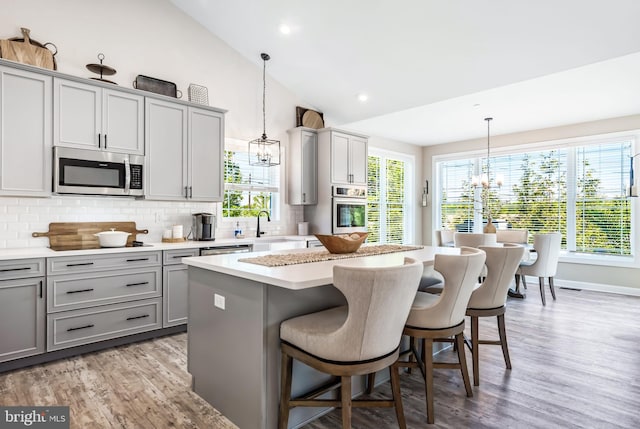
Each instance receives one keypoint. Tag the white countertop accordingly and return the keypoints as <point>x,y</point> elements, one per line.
<point>45,252</point>
<point>302,276</point>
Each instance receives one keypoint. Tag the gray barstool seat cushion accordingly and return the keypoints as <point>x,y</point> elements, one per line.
<point>423,300</point>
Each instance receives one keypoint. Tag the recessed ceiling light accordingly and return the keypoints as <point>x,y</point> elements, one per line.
<point>285,29</point>
<point>363,97</point>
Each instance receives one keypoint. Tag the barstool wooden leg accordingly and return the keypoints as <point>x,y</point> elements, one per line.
<point>427,356</point>
<point>553,290</point>
<point>463,364</point>
<point>371,381</point>
<point>524,281</point>
<point>502,331</point>
<point>345,398</point>
<point>541,281</point>
<point>474,350</point>
<point>285,390</point>
<point>397,397</point>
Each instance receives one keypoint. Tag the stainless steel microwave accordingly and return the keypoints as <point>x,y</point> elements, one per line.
<point>89,172</point>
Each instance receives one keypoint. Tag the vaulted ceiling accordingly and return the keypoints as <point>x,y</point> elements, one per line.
<point>433,69</point>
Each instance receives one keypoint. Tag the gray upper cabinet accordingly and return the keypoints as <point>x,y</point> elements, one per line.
<point>348,156</point>
<point>184,155</point>
<point>302,166</point>
<point>96,118</point>
<point>205,155</point>
<point>25,133</point>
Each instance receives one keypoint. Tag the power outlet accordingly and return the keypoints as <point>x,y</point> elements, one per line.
<point>218,301</point>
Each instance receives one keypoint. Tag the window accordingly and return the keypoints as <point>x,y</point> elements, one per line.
<point>577,189</point>
<point>248,188</point>
<point>389,211</point>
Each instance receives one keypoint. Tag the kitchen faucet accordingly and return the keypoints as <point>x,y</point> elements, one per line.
<point>258,232</point>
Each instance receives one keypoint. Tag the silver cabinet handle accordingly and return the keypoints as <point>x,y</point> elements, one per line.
<point>105,141</point>
<point>99,140</point>
<point>186,192</point>
<point>190,191</point>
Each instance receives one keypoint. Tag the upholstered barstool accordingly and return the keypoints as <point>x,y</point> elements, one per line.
<point>357,339</point>
<point>438,317</point>
<point>491,297</point>
<point>547,247</point>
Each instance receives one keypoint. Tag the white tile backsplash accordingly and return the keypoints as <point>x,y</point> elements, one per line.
<point>19,217</point>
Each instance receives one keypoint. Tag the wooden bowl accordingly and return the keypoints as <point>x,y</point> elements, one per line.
<point>343,243</point>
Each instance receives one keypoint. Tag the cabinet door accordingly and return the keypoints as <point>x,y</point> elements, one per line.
<point>122,122</point>
<point>22,318</point>
<point>309,160</point>
<point>206,134</point>
<point>175,281</point>
<point>25,133</point>
<point>77,115</point>
<point>166,150</point>
<point>340,158</point>
<point>358,160</point>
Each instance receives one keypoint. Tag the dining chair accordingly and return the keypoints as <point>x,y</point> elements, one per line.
<point>547,247</point>
<point>443,237</point>
<point>357,339</point>
<point>512,235</point>
<point>438,317</point>
<point>490,299</point>
<point>472,239</point>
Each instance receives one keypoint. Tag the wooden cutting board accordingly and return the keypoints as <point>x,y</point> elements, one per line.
<point>27,51</point>
<point>79,235</point>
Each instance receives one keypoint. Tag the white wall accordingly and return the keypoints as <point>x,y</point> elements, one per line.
<point>153,38</point>
<point>575,275</point>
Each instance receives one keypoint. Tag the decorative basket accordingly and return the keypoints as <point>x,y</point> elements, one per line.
<point>343,243</point>
<point>198,94</point>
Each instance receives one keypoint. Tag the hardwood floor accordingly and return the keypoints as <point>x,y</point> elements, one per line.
<point>576,364</point>
<point>137,386</point>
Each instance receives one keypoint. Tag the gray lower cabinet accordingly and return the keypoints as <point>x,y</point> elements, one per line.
<point>88,325</point>
<point>22,308</point>
<point>99,297</point>
<point>175,281</point>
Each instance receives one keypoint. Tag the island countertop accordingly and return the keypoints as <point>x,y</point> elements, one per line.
<point>306,275</point>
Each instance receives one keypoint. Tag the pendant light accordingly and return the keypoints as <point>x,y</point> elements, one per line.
<point>263,151</point>
<point>485,181</point>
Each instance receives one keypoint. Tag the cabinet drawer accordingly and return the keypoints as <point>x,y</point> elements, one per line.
<point>77,327</point>
<point>172,257</point>
<point>78,264</point>
<point>21,268</point>
<point>71,291</point>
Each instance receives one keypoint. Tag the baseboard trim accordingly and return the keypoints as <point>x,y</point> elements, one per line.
<point>595,287</point>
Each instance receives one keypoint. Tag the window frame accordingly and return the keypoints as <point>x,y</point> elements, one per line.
<point>230,222</point>
<point>409,190</point>
<point>628,261</point>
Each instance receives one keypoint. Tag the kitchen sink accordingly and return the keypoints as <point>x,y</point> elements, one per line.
<point>263,244</point>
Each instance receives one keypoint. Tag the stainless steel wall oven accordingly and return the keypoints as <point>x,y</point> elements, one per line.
<point>349,210</point>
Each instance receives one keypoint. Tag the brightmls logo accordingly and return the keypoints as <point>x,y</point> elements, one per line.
<point>34,417</point>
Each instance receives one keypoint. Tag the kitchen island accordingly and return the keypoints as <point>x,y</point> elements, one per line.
<point>235,311</point>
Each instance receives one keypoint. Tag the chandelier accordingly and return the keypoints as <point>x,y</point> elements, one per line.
<point>263,151</point>
<point>484,180</point>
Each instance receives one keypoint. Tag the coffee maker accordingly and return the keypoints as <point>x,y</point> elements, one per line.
<point>204,227</point>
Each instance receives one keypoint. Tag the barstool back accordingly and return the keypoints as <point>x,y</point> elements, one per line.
<point>502,264</point>
<point>379,301</point>
<point>460,273</point>
<point>472,239</point>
